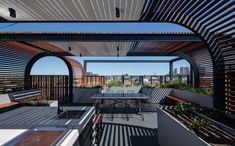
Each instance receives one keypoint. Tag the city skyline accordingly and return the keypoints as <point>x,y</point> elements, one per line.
<point>46,66</point>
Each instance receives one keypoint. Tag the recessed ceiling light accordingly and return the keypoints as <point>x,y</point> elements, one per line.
<point>117,51</point>
<point>117,12</point>
<point>12,12</point>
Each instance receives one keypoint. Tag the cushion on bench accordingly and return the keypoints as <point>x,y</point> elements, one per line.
<point>26,95</point>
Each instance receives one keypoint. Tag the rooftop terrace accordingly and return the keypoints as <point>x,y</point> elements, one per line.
<point>196,108</point>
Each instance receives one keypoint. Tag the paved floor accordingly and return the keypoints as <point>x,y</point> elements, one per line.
<point>134,132</point>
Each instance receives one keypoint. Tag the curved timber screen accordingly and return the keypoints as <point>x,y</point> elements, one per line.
<point>214,22</point>
<point>14,57</point>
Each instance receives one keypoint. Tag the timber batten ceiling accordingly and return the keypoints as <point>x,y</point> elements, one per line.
<point>73,10</point>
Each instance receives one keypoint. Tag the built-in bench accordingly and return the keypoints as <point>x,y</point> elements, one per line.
<point>14,98</point>
<point>177,99</point>
<point>5,105</point>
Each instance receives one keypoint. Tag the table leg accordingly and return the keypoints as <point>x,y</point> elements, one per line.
<point>111,109</point>
<point>140,110</point>
<point>126,110</point>
<point>98,107</point>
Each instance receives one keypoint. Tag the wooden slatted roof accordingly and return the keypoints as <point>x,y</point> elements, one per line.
<point>67,10</point>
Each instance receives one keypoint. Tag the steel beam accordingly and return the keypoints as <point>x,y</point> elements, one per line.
<point>97,37</point>
<point>85,62</point>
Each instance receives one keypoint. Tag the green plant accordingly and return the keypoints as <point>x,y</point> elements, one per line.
<point>127,85</point>
<point>176,84</point>
<point>37,103</point>
<point>185,108</point>
<point>176,80</point>
<point>197,124</point>
<point>148,86</point>
<point>91,86</point>
<point>208,92</point>
<point>114,83</point>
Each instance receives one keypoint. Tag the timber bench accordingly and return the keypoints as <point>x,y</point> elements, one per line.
<point>177,99</point>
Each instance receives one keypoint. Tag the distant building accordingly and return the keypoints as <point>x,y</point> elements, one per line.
<point>184,71</point>
<point>175,72</point>
<point>91,74</point>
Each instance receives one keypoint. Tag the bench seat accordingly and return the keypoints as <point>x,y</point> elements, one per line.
<point>26,95</point>
<point>16,98</point>
<point>5,105</point>
<point>177,99</point>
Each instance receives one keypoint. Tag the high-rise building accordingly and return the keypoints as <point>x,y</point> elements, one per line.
<point>184,71</point>
<point>175,72</point>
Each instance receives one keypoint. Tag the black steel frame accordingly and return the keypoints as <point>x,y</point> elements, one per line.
<point>29,66</point>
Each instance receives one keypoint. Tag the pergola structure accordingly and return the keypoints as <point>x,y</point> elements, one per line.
<point>211,21</point>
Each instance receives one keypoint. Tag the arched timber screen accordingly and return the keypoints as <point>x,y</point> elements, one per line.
<point>14,57</point>
<point>17,59</point>
<point>74,68</point>
<point>214,22</point>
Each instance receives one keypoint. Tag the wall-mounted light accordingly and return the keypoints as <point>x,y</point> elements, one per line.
<point>70,49</point>
<point>117,12</point>
<point>12,12</point>
<point>80,54</point>
<point>117,51</point>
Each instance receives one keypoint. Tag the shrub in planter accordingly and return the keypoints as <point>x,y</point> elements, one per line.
<point>185,108</point>
<point>197,124</point>
<point>184,87</point>
<point>217,115</point>
<point>206,130</point>
<point>114,83</point>
<point>91,86</point>
<point>37,103</point>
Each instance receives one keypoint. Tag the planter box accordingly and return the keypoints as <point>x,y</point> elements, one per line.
<point>82,95</point>
<point>221,125</point>
<point>202,100</point>
<point>173,133</point>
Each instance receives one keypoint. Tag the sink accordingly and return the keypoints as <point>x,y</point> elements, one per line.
<point>71,114</point>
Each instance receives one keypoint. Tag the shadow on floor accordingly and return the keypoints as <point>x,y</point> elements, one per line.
<point>127,135</point>
<point>144,141</point>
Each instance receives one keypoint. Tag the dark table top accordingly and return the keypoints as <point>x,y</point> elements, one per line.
<point>120,96</point>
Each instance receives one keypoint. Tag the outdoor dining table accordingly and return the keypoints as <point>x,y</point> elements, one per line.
<point>125,98</point>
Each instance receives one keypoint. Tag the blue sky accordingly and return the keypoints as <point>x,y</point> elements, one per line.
<point>51,65</point>
<point>91,27</point>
